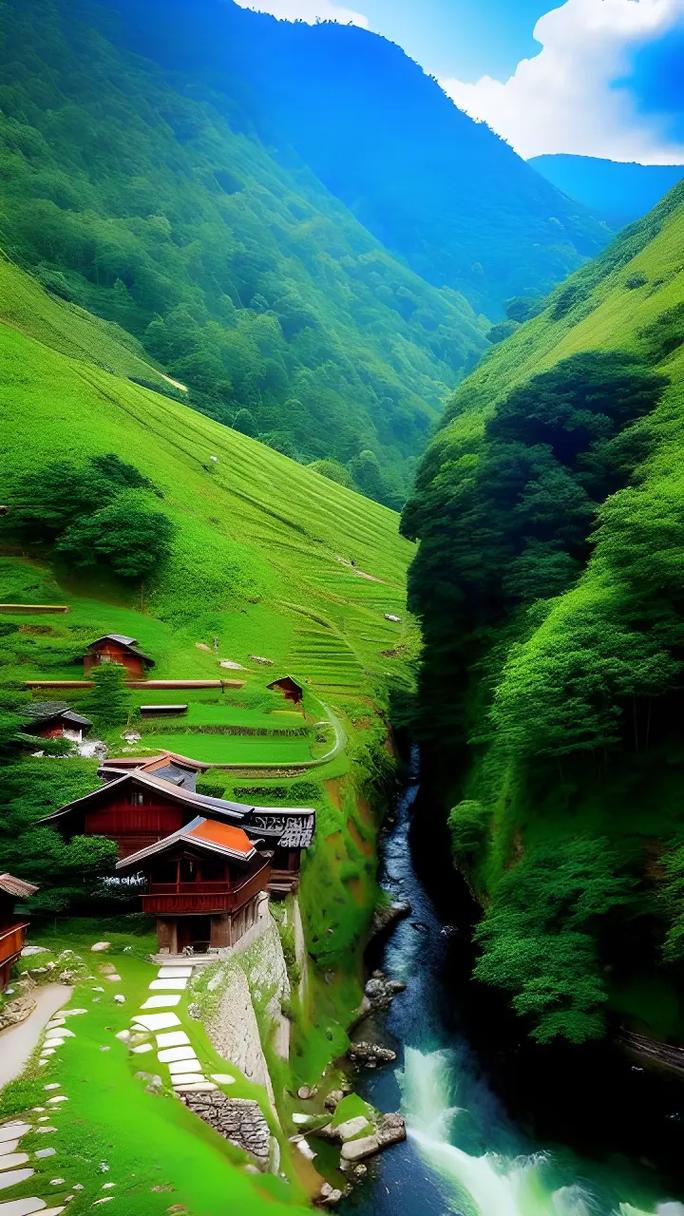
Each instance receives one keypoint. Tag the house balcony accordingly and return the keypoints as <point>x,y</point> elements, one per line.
<point>12,942</point>
<point>202,898</point>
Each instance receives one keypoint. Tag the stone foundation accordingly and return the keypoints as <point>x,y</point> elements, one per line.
<point>236,1119</point>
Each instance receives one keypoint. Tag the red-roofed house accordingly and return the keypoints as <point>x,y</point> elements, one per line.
<point>203,884</point>
<point>118,648</point>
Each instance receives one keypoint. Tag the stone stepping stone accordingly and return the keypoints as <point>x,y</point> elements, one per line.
<point>52,1085</point>
<point>12,1131</point>
<point>7,1147</point>
<point>177,1038</point>
<point>115,978</point>
<point>60,1032</point>
<point>11,1160</point>
<point>161,1002</point>
<point>195,1087</point>
<point>176,1053</point>
<point>222,1078</point>
<point>187,1078</point>
<point>56,1100</point>
<point>14,1177</point>
<point>24,1207</point>
<point>55,1042</point>
<point>139,1051</point>
<point>45,1130</point>
<point>174,973</point>
<point>169,985</point>
<point>45,1152</point>
<point>190,1065</point>
<point>156,1021</point>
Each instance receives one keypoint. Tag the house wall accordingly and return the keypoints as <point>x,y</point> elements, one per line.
<point>134,827</point>
<point>111,652</point>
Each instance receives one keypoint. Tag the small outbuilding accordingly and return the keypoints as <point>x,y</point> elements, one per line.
<point>291,690</point>
<point>117,648</point>
<point>56,720</point>
<point>13,924</point>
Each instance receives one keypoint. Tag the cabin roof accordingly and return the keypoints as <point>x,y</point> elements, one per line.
<point>46,711</point>
<point>270,823</point>
<point>129,644</point>
<point>150,763</point>
<point>16,887</point>
<point>219,838</point>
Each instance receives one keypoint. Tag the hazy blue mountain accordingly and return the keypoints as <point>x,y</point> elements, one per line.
<point>617,192</point>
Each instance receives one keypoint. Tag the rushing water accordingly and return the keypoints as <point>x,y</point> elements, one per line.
<point>466,1153</point>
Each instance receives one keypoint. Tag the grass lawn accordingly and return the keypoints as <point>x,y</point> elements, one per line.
<point>234,749</point>
<point>157,1152</point>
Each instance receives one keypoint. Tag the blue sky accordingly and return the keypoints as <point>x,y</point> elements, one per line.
<point>594,77</point>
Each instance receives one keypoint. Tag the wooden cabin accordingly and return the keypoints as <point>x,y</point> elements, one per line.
<point>137,807</point>
<point>291,690</point>
<point>203,885</point>
<point>13,925</point>
<point>55,720</point>
<point>117,648</point>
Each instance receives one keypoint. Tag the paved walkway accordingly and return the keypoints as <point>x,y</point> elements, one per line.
<point>173,1048</point>
<point>17,1042</point>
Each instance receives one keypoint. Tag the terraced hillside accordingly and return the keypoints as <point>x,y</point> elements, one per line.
<point>273,570</point>
<point>269,557</point>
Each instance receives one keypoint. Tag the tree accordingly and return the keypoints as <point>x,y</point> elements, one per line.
<point>127,535</point>
<point>245,423</point>
<point>108,701</point>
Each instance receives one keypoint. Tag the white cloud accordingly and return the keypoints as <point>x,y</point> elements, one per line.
<point>566,98</point>
<point>307,10</point>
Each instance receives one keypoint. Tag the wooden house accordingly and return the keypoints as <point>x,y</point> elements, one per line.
<point>13,924</point>
<point>203,884</point>
<point>137,807</point>
<point>54,720</point>
<point>291,690</point>
<point>117,648</point>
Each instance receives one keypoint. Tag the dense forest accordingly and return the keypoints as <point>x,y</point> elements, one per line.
<point>549,584</point>
<point>189,201</point>
<point>444,193</point>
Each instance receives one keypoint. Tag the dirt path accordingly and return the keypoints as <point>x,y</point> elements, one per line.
<point>17,1042</point>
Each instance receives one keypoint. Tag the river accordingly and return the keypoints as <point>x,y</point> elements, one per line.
<point>474,1144</point>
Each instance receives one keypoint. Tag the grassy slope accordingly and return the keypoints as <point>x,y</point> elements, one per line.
<point>601,309</point>
<point>262,561</point>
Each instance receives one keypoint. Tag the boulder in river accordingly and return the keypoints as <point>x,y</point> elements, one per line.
<point>371,1054</point>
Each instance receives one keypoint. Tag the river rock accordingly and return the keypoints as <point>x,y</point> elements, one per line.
<point>380,992</point>
<point>392,1130</point>
<point>357,1150</point>
<point>370,1054</point>
<point>352,1128</point>
<point>329,1196</point>
<point>333,1099</point>
<point>100,947</point>
<point>387,915</point>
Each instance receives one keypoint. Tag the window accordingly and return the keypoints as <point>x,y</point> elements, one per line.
<point>137,798</point>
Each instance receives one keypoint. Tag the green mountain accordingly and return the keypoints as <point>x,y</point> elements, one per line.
<point>443,193</point>
<point>618,192</point>
<point>156,206</point>
<point>549,582</point>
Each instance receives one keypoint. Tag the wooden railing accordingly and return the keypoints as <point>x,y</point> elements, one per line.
<point>178,899</point>
<point>12,941</point>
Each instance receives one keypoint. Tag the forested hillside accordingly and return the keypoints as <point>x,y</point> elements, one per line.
<point>620,193</point>
<point>239,273</point>
<point>550,585</point>
<point>442,192</point>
